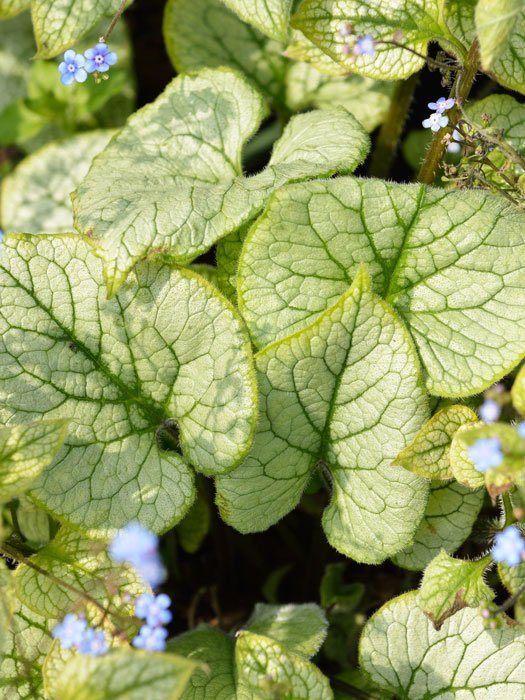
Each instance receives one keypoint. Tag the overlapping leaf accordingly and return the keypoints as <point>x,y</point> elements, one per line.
<point>9,8</point>
<point>121,369</point>
<point>268,659</point>
<point>35,198</point>
<point>343,394</point>
<point>124,674</point>
<point>449,263</point>
<point>404,654</point>
<point>25,451</point>
<point>179,190</point>
<point>450,585</point>
<point>17,46</point>
<point>419,21</point>
<point>449,517</point>
<point>428,455</point>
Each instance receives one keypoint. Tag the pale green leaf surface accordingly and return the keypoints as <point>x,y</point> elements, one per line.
<point>270,16</point>
<point>7,604</point>
<point>35,198</point>
<point>205,33</point>
<point>33,522</point>
<point>179,190</point>
<point>518,391</point>
<point>403,653</point>
<point>124,674</point>
<point>215,649</point>
<point>228,253</point>
<point>79,562</point>
<point>504,59</point>
<point>119,369</point>
<point>302,49</point>
<point>449,585</point>
<point>495,22</point>
<point>300,628</point>
<point>25,451</point>
<point>17,46</point>
<point>266,670</point>
<point>428,455</point>
<point>459,16</point>
<point>368,100</point>
<point>449,518</point>
<point>419,20</point>
<point>22,655</point>
<point>449,263</point>
<point>506,115</point>
<point>345,392</point>
<point>10,8</point>
<point>461,465</point>
<point>513,577</point>
<point>59,24</point>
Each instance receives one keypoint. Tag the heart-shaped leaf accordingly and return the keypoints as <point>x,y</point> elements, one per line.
<point>404,654</point>
<point>448,262</point>
<point>123,370</point>
<point>343,395</point>
<point>271,16</point>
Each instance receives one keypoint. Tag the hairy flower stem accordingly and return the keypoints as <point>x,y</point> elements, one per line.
<point>113,23</point>
<point>510,602</point>
<point>460,91</point>
<point>390,133</point>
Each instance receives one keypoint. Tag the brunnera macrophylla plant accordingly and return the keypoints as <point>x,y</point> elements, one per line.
<point>354,353</point>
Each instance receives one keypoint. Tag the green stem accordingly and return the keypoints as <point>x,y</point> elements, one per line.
<point>508,511</point>
<point>390,133</point>
<point>460,91</point>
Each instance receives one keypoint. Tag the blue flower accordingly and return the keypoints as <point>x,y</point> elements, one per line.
<point>365,46</point>
<point>72,68</point>
<point>435,122</point>
<point>93,643</point>
<point>1,235</point>
<point>486,453</point>
<point>489,411</point>
<point>100,58</point>
<point>136,545</point>
<point>442,105</point>
<point>153,609</point>
<point>521,429</point>
<point>151,638</point>
<point>133,543</point>
<point>70,631</point>
<point>509,546</point>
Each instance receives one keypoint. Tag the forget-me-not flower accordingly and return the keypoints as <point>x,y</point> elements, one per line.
<point>70,631</point>
<point>365,46</point>
<point>486,453</point>
<point>521,429</point>
<point>72,68</point>
<point>509,546</point>
<point>100,58</point>
<point>93,643</point>
<point>442,105</point>
<point>489,411</point>
<point>151,638</point>
<point>455,142</point>
<point>136,545</point>
<point>153,609</point>
<point>435,122</point>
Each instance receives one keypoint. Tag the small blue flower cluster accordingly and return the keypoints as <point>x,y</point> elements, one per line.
<point>74,633</point>
<point>363,45</point>
<point>509,546</point>
<point>486,453</point>
<point>437,120</point>
<point>155,611</point>
<point>136,545</point>
<point>75,66</point>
